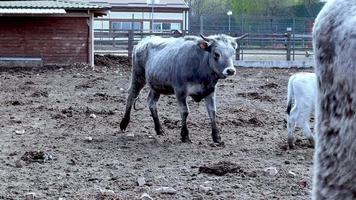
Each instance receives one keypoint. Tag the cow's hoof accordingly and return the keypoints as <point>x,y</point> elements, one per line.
<point>186,140</point>
<point>217,139</point>
<point>160,132</point>
<point>123,124</point>
<point>291,143</point>
<point>219,144</point>
<point>312,142</point>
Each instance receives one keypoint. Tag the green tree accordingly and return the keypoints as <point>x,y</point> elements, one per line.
<point>201,7</point>
<point>262,7</point>
<point>254,7</point>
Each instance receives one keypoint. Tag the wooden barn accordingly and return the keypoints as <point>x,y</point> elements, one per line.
<point>156,16</point>
<point>47,32</point>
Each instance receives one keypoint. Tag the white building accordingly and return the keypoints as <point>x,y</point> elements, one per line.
<point>165,15</point>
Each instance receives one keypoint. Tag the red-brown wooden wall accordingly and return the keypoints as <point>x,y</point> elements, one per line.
<point>57,40</point>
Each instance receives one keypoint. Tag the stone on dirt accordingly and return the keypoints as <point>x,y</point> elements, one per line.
<point>19,163</point>
<point>19,132</point>
<point>166,190</point>
<point>36,156</point>
<point>303,183</point>
<point>130,135</point>
<point>221,168</point>
<point>88,139</point>
<point>300,157</point>
<point>30,196</point>
<point>291,174</point>
<point>271,171</point>
<point>205,189</point>
<point>145,196</point>
<point>141,181</point>
<point>106,194</point>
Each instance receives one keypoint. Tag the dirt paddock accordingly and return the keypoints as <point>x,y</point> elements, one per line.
<point>57,139</point>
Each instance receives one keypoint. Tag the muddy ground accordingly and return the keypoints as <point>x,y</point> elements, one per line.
<point>57,139</point>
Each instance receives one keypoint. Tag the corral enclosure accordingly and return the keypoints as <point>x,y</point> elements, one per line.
<point>57,138</point>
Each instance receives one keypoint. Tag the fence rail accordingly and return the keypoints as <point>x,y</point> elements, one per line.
<point>287,46</point>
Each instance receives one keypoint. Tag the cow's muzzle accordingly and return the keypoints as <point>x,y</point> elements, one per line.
<point>230,71</point>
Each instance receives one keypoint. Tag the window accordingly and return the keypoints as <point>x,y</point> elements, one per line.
<point>175,26</point>
<point>137,26</point>
<point>125,26</point>
<point>157,27</point>
<point>116,26</point>
<point>166,26</point>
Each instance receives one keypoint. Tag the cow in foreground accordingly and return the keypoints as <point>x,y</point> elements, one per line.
<point>334,40</point>
<point>187,66</point>
<point>302,88</point>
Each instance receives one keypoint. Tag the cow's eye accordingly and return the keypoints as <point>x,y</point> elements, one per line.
<point>216,56</point>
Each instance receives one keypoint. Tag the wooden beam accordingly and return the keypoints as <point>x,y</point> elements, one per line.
<point>91,40</point>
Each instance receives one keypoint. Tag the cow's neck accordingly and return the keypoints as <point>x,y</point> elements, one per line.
<point>210,75</point>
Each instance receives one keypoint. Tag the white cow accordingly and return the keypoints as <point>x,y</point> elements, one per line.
<point>334,41</point>
<point>301,88</point>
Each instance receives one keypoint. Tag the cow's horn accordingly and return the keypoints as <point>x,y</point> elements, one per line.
<point>204,38</point>
<point>237,39</point>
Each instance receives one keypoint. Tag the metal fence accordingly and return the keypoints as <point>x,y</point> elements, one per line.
<point>270,38</point>
<point>107,41</point>
<point>256,46</point>
<point>286,46</point>
<point>249,24</point>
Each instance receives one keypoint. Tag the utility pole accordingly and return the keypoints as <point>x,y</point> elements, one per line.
<point>229,13</point>
<point>153,7</point>
<point>152,3</point>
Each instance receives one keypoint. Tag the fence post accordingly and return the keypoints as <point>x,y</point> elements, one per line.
<point>238,51</point>
<point>293,38</point>
<point>242,23</point>
<point>130,42</point>
<point>288,43</point>
<point>201,24</point>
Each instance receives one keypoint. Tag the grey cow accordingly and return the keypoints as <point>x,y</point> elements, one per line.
<point>334,41</point>
<point>187,66</point>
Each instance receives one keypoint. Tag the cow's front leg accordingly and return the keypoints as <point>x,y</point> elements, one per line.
<point>152,104</point>
<point>211,108</point>
<point>184,111</point>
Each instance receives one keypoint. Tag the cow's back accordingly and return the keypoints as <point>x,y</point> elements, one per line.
<point>165,58</point>
<point>304,86</point>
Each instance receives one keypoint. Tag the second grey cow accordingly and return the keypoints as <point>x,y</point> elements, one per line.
<point>187,66</point>
<point>334,42</point>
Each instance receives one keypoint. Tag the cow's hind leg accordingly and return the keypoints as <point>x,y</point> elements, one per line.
<point>152,104</point>
<point>184,111</point>
<point>307,132</point>
<point>291,126</point>
<point>133,94</point>
<point>137,83</point>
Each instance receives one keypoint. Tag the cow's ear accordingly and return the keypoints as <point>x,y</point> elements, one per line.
<point>204,45</point>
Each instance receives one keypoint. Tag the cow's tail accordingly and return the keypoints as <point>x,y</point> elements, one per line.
<point>138,76</point>
<point>290,94</point>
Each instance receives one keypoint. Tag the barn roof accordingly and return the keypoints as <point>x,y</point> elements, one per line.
<point>32,11</point>
<point>51,4</point>
<point>139,4</point>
